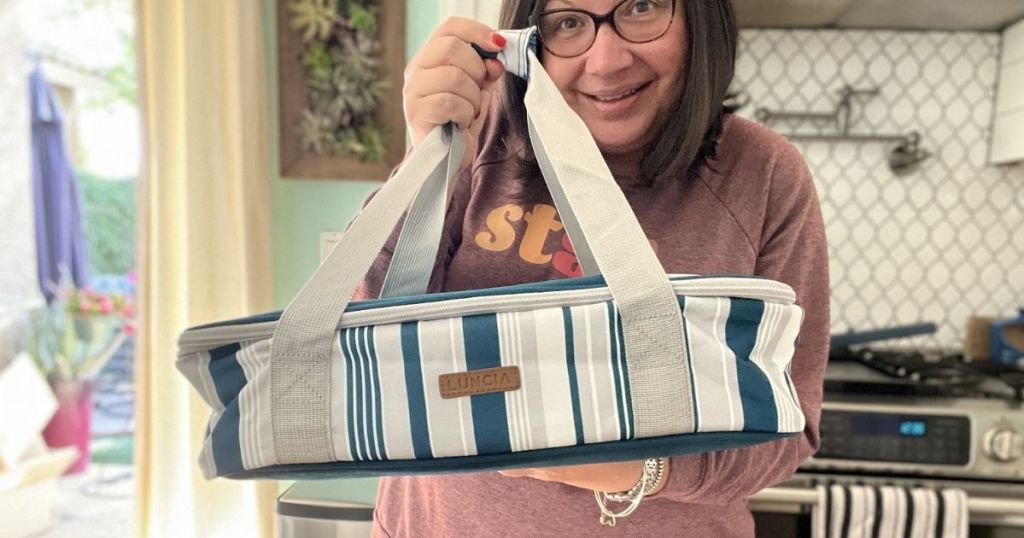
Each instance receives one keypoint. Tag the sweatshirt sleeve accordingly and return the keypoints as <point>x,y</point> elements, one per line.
<point>792,250</point>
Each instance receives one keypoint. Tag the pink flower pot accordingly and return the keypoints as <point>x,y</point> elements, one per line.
<point>70,426</point>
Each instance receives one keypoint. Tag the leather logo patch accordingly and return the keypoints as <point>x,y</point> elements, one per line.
<point>485,381</point>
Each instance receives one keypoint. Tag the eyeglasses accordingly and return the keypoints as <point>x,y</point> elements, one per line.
<point>570,32</point>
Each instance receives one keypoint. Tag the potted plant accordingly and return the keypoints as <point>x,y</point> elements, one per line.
<point>72,338</point>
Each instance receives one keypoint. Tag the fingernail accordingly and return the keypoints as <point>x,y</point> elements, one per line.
<point>498,39</point>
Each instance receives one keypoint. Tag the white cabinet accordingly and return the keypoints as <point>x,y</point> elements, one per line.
<point>1008,124</point>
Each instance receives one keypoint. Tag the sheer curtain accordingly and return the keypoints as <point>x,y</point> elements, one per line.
<point>204,251</point>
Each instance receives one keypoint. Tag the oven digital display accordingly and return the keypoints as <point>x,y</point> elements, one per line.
<point>895,437</point>
<point>913,428</point>
<point>889,425</point>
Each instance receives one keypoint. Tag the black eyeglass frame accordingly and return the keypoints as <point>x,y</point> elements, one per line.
<point>608,17</point>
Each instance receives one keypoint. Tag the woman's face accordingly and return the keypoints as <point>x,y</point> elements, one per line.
<point>617,87</point>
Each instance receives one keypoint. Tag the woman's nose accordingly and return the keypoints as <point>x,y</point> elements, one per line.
<point>609,54</point>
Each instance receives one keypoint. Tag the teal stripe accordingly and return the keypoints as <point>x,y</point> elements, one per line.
<point>353,396</point>
<point>379,422</point>
<point>227,451</point>
<point>759,413</point>
<point>490,418</point>
<point>617,367</point>
<point>414,387</point>
<point>349,394</point>
<point>228,380</point>
<point>625,371</point>
<point>365,397</point>
<point>574,389</point>
<point>689,362</point>
<point>228,376</point>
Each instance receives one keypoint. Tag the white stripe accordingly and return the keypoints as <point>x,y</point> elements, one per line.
<point>425,375</point>
<point>521,358</point>
<point>698,409</point>
<point>838,497</point>
<point>513,404</point>
<point>759,355</point>
<point>206,460</point>
<point>260,352</point>
<point>366,375</point>
<point>819,516</point>
<point>715,377</point>
<point>517,399</point>
<point>394,393</point>
<point>783,357</point>
<point>901,513</point>
<point>736,419</point>
<point>507,359</point>
<point>609,352</point>
<point>549,327</point>
<point>339,403</point>
<point>254,400</point>
<point>206,378</point>
<point>453,337</point>
<point>246,409</point>
<point>598,430</point>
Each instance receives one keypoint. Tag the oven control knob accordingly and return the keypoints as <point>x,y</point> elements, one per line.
<point>1004,445</point>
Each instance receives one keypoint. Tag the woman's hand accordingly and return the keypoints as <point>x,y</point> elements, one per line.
<point>448,81</point>
<point>609,477</point>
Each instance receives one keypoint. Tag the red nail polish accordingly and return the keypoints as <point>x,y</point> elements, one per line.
<point>498,39</point>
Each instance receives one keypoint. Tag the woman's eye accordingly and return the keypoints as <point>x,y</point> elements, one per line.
<point>641,6</point>
<point>570,22</point>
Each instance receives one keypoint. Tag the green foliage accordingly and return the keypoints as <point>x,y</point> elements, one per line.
<point>342,67</point>
<point>368,142</point>
<point>362,20</point>
<point>318,61</point>
<point>108,211</point>
<point>314,18</point>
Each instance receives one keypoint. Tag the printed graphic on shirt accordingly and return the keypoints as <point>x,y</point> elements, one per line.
<point>500,234</point>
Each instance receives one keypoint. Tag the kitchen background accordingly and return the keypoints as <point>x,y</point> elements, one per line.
<point>938,244</point>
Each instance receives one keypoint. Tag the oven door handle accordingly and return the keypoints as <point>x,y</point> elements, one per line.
<point>764,500</point>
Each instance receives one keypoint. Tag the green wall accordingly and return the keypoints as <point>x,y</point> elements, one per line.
<point>301,209</point>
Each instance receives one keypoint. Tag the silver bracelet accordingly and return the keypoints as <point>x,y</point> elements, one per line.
<point>650,479</point>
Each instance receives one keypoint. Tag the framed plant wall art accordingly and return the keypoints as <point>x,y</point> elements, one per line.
<point>339,78</point>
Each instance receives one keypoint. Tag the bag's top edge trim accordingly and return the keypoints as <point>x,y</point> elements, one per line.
<point>564,284</point>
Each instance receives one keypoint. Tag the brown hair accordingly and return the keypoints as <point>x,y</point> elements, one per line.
<point>688,138</point>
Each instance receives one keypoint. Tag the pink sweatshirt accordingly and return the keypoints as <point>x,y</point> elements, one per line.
<point>754,211</point>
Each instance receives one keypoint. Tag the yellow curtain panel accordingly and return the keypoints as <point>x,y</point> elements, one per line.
<point>204,251</point>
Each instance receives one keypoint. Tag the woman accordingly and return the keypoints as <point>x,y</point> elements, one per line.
<point>713,192</point>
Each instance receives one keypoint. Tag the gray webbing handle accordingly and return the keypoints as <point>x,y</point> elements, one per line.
<point>300,351</point>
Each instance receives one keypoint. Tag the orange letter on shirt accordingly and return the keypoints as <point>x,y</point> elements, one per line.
<point>541,221</point>
<point>500,234</point>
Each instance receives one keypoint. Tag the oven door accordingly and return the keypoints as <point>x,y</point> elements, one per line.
<point>996,509</point>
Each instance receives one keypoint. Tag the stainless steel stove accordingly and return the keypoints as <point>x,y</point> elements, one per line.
<point>921,415</point>
<point>918,418</point>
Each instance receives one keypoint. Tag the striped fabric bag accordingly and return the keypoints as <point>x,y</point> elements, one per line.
<point>623,363</point>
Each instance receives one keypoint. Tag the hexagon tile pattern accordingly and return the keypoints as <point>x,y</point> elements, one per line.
<point>940,244</point>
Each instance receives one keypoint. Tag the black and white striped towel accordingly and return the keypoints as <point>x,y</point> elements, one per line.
<point>889,512</point>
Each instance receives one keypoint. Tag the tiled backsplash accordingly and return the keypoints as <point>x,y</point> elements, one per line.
<point>940,244</point>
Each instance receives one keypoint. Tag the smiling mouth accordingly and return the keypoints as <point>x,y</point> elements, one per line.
<point>620,96</point>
